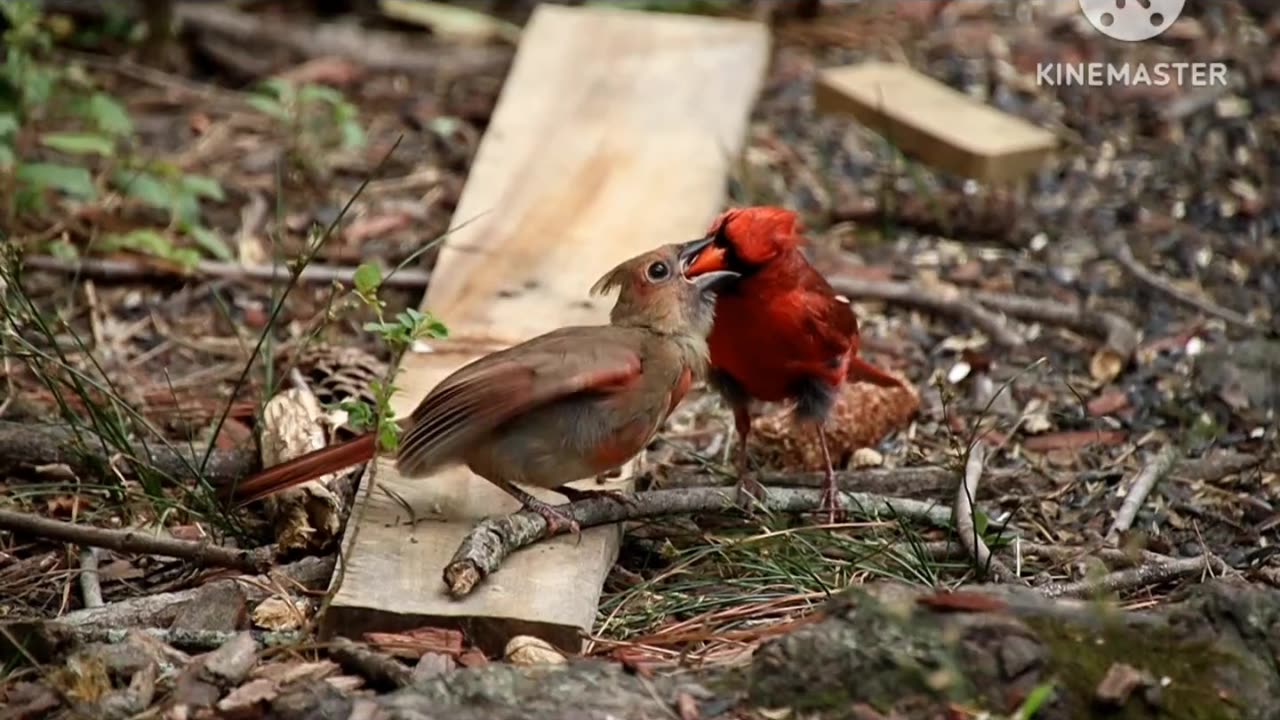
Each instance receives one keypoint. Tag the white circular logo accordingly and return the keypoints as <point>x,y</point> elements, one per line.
<point>1132,20</point>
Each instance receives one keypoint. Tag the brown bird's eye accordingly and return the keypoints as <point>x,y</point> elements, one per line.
<point>659,271</point>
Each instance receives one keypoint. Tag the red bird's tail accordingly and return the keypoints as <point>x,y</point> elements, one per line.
<point>317,463</point>
<point>861,370</point>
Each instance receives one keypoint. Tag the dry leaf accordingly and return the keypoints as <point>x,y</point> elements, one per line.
<point>244,699</point>
<point>529,650</point>
<point>280,613</point>
<point>687,707</point>
<point>1105,365</point>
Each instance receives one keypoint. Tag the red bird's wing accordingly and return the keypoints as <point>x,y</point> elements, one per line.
<point>833,327</point>
<point>496,388</point>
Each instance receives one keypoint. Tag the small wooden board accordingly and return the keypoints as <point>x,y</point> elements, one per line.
<point>935,123</point>
<point>614,134</point>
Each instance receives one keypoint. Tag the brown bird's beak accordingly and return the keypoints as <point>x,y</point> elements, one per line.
<point>705,264</point>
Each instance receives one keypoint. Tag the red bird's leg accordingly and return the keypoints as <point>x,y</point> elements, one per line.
<point>749,489</point>
<point>830,491</point>
<point>558,520</point>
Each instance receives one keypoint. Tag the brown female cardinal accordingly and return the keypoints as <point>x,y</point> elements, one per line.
<point>780,332</point>
<point>574,403</point>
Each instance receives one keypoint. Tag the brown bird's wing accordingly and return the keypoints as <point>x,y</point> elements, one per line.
<point>497,388</point>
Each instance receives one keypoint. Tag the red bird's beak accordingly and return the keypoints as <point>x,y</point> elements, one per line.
<point>704,265</point>
<point>710,259</point>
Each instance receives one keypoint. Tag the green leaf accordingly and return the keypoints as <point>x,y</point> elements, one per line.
<point>109,115</point>
<point>62,249</point>
<point>75,181</point>
<point>203,186</point>
<point>211,242</point>
<point>280,88</point>
<point>79,143</point>
<point>144,240</point>
<point>146,188</point>
<point>6,157</point>
<point>8,123</point>
<point>389,435</point>
<point>368,278</point>
<point>268,106</point>
<point>352,135</point>
<point>1034,701</point>
<point>322,93</point>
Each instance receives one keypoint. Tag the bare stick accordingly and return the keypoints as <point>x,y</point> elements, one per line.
<point>129,541</point>
<point>25,444</point>
<point>1151,473</point>
<point>1117,249</point>
<point>161,609</point>
<point>1115,331</point>
<point>1152,573</point>
<point>370,664</point>
<point>90,584</point>
<point>943,300</point>
<point>493,539</point>
<point>966,530</point>
<point>117,270</point>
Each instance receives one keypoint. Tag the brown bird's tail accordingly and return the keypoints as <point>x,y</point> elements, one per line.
<point>861,370</point>
<point>317,463</point>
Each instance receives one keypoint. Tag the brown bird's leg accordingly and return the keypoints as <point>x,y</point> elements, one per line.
<point>749,489</point>
<point>558,520</point>
<point>830,491</point>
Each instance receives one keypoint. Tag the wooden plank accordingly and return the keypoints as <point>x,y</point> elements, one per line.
<point>614,133</point>
<point>933,122</point>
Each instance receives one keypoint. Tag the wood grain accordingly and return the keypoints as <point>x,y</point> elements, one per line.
<point>934,123</point>
<point>613,134</point>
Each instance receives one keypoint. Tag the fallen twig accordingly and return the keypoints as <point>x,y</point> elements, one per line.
<point>182,639</point>
<point>942,299</point>
<point>493,539</point>
<point>966,528</point>
<point>1146,479</point>
<point>1150,573</point>
<point>370,664</point>
<point>1116,332</point>
<point>1117,249</point>
<point>926,481</point>
<point>118,270</point>
<point>24,444</point>
<point>90,584</point>
<point>131,541</point>
<point>160,610</point>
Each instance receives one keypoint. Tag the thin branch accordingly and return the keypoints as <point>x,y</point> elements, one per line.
<point>129,541</point>
<point>1116,332</point>
<point>942,299</point>
<point>1152,573</point>
<point>25,444</point>
<point>966,528</point>
<point>493,539</point>
<point>90,584</point>
<point>1117,249</point>
<point>1146,480</point>
<point>117,270</point>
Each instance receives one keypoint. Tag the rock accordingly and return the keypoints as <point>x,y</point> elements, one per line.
<point>881,649</point>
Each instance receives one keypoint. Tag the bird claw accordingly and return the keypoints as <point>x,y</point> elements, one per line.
<point>558,521</point>
<point>750,492</point>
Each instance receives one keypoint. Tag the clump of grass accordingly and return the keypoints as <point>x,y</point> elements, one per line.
<point>743,580</point>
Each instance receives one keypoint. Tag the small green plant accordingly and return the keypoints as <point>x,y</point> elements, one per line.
<point>313,120</point>
<point>398,334</point>
<point>92,149</point>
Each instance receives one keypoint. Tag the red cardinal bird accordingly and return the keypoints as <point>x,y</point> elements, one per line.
<point>573,403</point>
<point>781,332</point>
